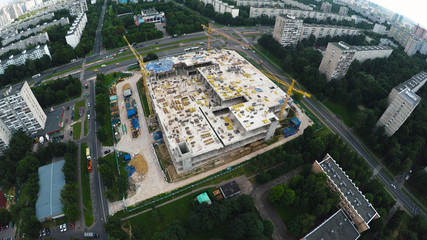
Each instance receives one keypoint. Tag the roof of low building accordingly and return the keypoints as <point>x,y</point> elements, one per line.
<point>203,197</point>
<point>230,189</point>
<point>336,227</point>
<point>51,181</point>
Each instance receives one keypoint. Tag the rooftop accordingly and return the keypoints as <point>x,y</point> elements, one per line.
<point>336,227</point>
<point>348,189</point>
<point>51,181</point>
<point>224,101</point>
<point>415,82</point>
<point>54,121</point>
<point>230,189</point>
<point>11,89</point>
<point>345,46</point>
<point>203,197</point>
<point>149,12</point>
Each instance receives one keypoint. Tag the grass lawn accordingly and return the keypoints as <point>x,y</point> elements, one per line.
<point>76,109</point>
<point>287,214</point>
<point>157,220</point>
<point>339,109</point>
<point>87,198</point>
<point>47,82</point>
<point>77,128</point>
<point>142,97</point>
<point>113,193</point>
<point>85,130</point>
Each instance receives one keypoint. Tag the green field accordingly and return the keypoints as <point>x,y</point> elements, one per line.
<point>86,195</point>
<point>77,128</point>
<point>142,97</point>
<point>342,111</point>
<point>86,127</point>
<point>76,109</point>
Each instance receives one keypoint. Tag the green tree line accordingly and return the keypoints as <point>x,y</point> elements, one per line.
<point>58,91</point>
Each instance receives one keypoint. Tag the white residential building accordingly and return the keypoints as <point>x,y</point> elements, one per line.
<point>77,7</point>
<point>380,29</point>
<point>326,7</point>
<point>20,110</point>
<point>282,3</point>
<point>255,12</point>
<point>76,30</point>
<point>222,7</point>
<point>20,59</point>
<point>22,44</point>
<point>402,101</point>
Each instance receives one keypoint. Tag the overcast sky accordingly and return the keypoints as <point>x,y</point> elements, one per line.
<point>413,9</point>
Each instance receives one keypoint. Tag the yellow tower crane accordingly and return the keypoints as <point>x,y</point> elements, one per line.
<point>290,87</point>
<point>210,30</point>
<point>145,73</point>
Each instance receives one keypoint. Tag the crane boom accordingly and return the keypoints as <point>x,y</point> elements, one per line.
<point>279,81</point>
<point>144,72</point>
<point>210,30</point>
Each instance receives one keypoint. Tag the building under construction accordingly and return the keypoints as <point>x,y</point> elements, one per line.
<point>210,103</point>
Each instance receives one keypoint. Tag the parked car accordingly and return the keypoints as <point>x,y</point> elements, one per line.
<point>107,151</point>
<point>66,120</point>
<point>71,133</point>
<point>88,104</point>
<point>68,108</point>
<point>88,117</point>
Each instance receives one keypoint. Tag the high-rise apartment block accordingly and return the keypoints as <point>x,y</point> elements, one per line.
<point>380,29</point>
<point>339,55</point>
<point>326,7</point>
<point>20,59</point>
<point>411,42</point>
<point>77,7</point>
<point>19,110</point>
<point>419,31</point>
<point>402,101</point>
<point>288,30</point>
<point>281,3</point>
<point>343,10</point>
<point>76,30</point>
<point>353,203</point>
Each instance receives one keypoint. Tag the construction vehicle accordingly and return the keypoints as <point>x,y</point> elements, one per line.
<point>89,160</point>
<point>277,80</point>
<point>210,30</point>
<point>144,72</point>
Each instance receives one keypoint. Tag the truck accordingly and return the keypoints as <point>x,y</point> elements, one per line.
<point>91,235</point>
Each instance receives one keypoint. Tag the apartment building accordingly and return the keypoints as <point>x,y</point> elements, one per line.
<point>75,32</point>
<point>22,44</point>
<point>5,136</point>
<point>419,31</point>
<point>20,59</point>
<point>19,110</point>
<point>77,7</point>
<point>222,7</point>
<point>281,3</point>
<point>402,101</point>
<point>8,38</point>
<point>380,29</point>
<point>339,55</point>
<point>343,10</point>
<point>410,41</point>
<point>288,30</point>
<point>326,7</point>
<point>255,12</point>
<point>353,203</point>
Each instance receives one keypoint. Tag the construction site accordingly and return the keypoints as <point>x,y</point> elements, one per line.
<point>210,103</point>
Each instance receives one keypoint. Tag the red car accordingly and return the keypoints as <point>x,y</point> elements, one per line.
<point>72,225</point>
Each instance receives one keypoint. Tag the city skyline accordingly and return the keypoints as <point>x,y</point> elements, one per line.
<point>414,9</point>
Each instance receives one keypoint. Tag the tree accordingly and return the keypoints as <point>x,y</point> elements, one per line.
<point>5,216</point>
<point>268,228</point>
<point>114,228</point>
<point>276,193</point>
<point>25,167</point>
<point>263,177</point>
<point>19,145</point>
<point>288,197</point>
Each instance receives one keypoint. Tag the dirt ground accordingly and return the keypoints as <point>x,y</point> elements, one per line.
<point>140,164</point>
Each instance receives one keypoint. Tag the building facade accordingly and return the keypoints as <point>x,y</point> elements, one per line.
<point>402,101</point>
<point>75,32</point>
<point>149,16</point>
<point>222,7</point>
<point>22,44</point>
<point>419,31</point>
<point>255,12</point>
<point>326,7</point>
<point>411,42</point>
<point>20,110</point>
<point>343,10</point>
<point>353,203</point>
<point>281,3</point>
<point>380,29</point>
<point>20,59</point>
<point>288,30</point>
<point>339,56</point>
<point>77,7</point>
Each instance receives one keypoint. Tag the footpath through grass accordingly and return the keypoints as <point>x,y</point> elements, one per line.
<point>87,198</point>
<point>76,109</point>
<point>77,128</point>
